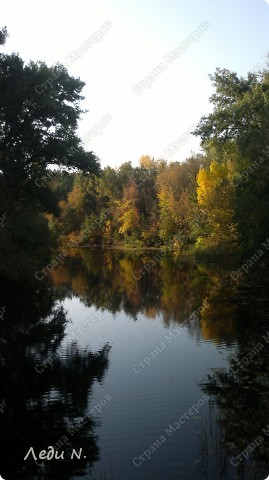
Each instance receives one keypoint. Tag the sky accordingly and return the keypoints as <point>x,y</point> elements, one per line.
<point>145,64</point>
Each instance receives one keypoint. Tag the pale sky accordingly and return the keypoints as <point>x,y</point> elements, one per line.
<point>129,40</point>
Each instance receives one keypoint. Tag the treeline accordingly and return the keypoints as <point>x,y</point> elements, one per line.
<point>216,201</point>
<point>150,205</point>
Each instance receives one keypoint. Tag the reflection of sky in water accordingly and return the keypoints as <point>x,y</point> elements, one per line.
<point>143,399</point>
<point>144,404</point>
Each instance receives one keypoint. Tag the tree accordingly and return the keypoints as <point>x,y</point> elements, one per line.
<point>238,131</point>
<point>128,213</point>
<point>3,35</point>
<point>146,162</point>
<point>39,113</point>
<point>145,180</point>
<point>237,114</point>
<point>215,195</point>
<point>177,201</point>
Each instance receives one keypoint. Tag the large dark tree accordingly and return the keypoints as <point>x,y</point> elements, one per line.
<point>39,113</point>
<point>238,130</point>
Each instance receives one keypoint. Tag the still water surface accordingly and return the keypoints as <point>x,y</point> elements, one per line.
<point>151,351</point>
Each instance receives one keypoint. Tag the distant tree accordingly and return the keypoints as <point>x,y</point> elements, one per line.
<point>178,208</point>
<point>146,161</point>
<point>129,217</point>
<point>216,197</point>
<point>3,35</point>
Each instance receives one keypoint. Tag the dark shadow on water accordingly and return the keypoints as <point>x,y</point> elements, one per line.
<point>45,387</point>
<point>235,443</point>
<point>46,382</point>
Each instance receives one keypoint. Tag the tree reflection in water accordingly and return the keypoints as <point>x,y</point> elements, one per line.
<point>236,440</point>
<point>42,405</point>
<point>134,283</point>
<point>43,408</point>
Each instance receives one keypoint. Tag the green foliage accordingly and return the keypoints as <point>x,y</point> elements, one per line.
<point>3,35</point>
<point>38,121</point>
<point>217,201</point>
<point>238,131</point>
<point>39,113</point>
<point>133,205</point>
<point>177,202</point>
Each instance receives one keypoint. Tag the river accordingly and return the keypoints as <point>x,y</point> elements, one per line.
<point>148,366</point>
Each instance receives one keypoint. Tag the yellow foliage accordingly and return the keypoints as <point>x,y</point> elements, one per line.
<point>146,161</point>
<point>127,211</point>
<point>76,198</point>
<point>215,194</point>
<point>129,218</point>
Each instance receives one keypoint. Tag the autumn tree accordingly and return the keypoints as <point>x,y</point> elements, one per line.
<point>238,130</point>
<point>216,197</point>
<point>128,214</point>
<point>145,179</point>
<point>176,186</point>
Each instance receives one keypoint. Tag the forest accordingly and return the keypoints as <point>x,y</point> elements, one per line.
<point>102,265</point>
<point>54,192</point>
